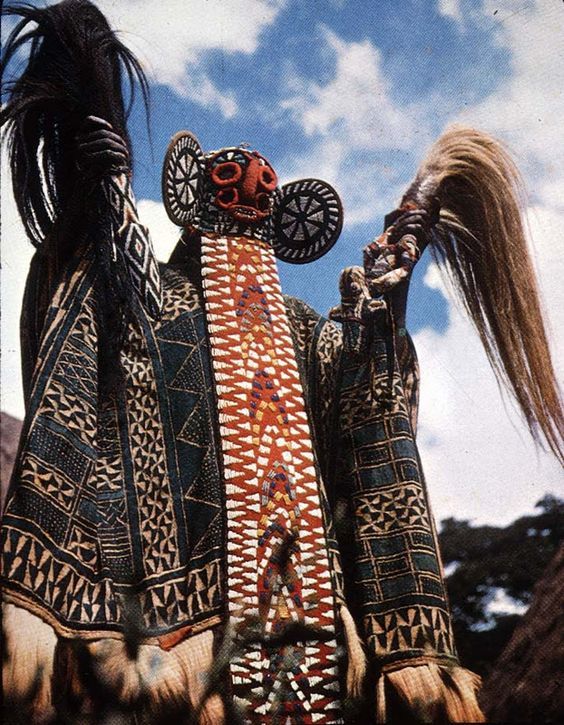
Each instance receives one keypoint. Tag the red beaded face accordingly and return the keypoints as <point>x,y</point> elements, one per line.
<point>243,183</point>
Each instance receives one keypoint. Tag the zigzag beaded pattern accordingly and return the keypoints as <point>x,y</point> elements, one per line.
<point>278,565</point>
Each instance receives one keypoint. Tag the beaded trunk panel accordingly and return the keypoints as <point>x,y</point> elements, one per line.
<point>278,568</point>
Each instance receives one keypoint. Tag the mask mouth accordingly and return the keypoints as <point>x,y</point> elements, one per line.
<point>246,214</point>
<point>229,201</point>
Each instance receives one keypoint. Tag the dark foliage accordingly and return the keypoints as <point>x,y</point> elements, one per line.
<point>512,558</point>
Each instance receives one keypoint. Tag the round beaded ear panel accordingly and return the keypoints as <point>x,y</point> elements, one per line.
<point>234,192</point>
<point>182,178</point>
<point>308,219</point>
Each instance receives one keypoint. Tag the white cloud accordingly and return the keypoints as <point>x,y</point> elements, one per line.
<point>498,603</point>
<point>164,233</point>
<point>451,9</point>
<point>16,256</point>
<point>201,90</point>
<point>527,110</point>
<point>502,603</point>
<point>353,122</point>
<point>355,104</point>
<point>547,242</point>
<point>173,39</point>
<point>479,457</point>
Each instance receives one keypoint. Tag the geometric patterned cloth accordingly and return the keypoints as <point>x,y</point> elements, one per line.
<point>114,497</point>
<point>111,497</point>
<point>397,575</point>
<point>132,242</point>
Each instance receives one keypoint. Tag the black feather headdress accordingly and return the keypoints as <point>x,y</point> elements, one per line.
<point>76,68</point>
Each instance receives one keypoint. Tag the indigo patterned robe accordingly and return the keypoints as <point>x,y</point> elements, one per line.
<point>124,493</point>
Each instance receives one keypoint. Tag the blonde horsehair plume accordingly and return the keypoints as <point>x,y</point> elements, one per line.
<point>356,667</point>
<point>155,681</point>
<point>480,239</point>
<point>432,692</point>
<point>27,669</point>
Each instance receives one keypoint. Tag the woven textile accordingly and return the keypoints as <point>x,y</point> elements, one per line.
<point>278,564</point>
<point>396,578</point>
<point>110,497</point>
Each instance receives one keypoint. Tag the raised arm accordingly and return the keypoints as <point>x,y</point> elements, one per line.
<point>65,125</point>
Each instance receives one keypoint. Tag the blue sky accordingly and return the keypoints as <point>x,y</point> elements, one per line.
<point>354,93</point>
<point>301,50</point>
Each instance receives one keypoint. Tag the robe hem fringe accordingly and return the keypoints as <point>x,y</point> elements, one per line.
<point>432,692</point>
<point>21,600</point>
<point>443,661</point>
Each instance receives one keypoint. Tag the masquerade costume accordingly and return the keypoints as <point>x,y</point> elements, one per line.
<point>191,434</point>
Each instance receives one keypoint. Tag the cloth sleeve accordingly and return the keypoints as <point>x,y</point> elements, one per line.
<point>408,367</point>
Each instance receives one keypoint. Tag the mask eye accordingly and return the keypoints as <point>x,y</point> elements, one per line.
<point>267,178</point>
<point>226,197</point>
<point>263,202</point>
<point>226,173</point>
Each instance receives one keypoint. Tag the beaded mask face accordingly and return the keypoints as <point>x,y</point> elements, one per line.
<point>234,192</point>
<point>244,184</point>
